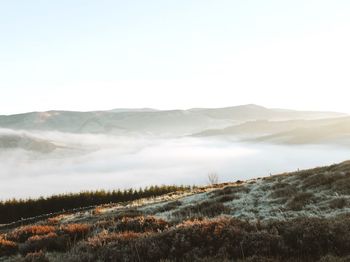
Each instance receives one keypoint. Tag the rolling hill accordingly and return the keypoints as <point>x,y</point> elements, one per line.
<point>298,216</point>
<point>320,131</point>
<point>26,142</point>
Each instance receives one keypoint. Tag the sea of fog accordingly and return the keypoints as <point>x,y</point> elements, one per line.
<point>89,162</point>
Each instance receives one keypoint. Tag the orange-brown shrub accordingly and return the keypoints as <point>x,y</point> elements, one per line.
<point>54,220</point>
<point>48,242</point>
<point>7,247</point>
<point>104,224</point>
<point>42,237</point>
<point>97,211</point>
<point>139,224</point>
<point>23,233</point>
<point>36,257</point>
<point>104,238</point>
<point>76,231</point>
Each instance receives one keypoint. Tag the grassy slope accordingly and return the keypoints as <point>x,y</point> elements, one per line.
<point>296,216</point>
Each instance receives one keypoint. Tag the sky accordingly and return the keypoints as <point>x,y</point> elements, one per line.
<point>103,54</point>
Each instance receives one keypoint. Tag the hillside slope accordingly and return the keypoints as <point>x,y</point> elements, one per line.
<point>336,132</point>
<point>25,142</point>
<point>299,216</point>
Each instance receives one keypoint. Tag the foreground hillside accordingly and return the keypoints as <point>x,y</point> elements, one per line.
<point>300,216</point>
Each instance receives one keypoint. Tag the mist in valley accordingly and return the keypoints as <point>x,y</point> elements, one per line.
<point>75,162</point>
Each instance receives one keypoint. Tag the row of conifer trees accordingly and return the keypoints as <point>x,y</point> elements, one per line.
<point>17,209</point>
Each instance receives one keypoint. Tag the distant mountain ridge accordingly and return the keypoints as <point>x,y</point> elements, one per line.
<point>152,121</point>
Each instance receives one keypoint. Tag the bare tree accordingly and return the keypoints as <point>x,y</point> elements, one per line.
<point>213,178</point>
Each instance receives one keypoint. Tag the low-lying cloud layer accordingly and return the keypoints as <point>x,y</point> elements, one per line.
<point>89,161</point>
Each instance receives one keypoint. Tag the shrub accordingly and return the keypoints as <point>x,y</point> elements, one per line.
<point>131,212</point>
<point>54,220</point>
<point>103,224</point>
<point>76,231</point>
<point>97,211</point>
<point>139,224</point>
<point>322,179</point>
<point>263,259</point>
<point>299,201</point>
<point>230,190</point>
<point>331,258</point>
<point>49,242</point>
<point>204,209</point>
<point>23,233</point>
<point>279,185</point>
<point>284,191</point>
<point>7,247</point>
<point>338,203</point>
<point>226,198</point>
<point>167,207</point>
<point>36,257</point>
<point>307,237</point>
<point>223,239</point>
<point>261,243</point>
<point>342,186</point>
<point>104,238</point>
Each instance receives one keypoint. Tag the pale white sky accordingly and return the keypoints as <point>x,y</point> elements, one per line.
<point>89,55</point>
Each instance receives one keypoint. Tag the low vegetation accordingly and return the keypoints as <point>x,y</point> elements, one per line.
<point>7,247</point>
<point>147,238</point>
<point>301,216</point>
<point>204,209</point>
<point>298,201</point>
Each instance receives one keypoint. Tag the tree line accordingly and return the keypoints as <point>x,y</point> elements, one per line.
<point>17,209</point>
